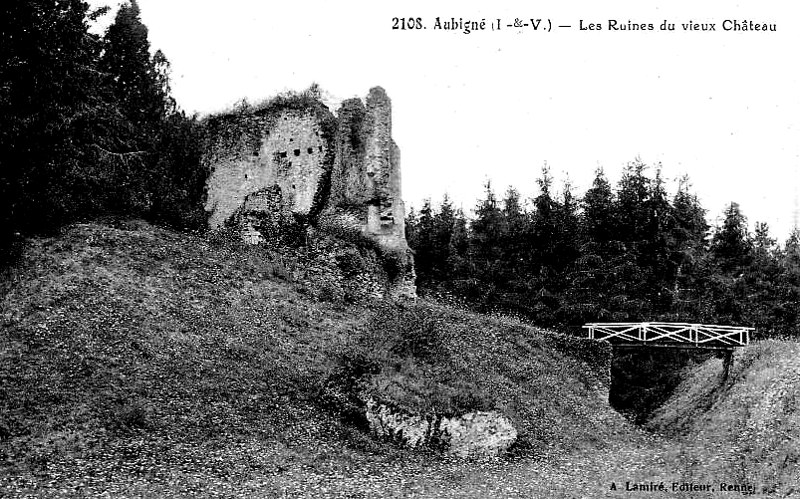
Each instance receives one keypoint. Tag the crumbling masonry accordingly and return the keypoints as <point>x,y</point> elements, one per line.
<point>292,156</point>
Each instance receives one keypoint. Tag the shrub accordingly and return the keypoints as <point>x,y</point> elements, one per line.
<point>131,415</point>
<point>412,332</point>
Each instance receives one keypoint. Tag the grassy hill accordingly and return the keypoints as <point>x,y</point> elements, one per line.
<point>135,361</point>
<point>139,362</point>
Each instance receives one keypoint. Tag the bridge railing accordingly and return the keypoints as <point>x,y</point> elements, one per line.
<point>670,334</point>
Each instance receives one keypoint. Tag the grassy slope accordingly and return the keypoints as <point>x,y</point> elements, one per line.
<point>747,427</point>
<point>137,361</point>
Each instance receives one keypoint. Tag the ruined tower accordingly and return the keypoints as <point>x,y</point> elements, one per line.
<point>366,174</point>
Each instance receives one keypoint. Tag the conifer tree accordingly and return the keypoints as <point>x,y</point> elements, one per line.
<point>632,210</point>
<point>568,223</point>
<point>412,231</point>
<point>441,236</point>
<point>690,229</point>
<point>48,100</point>
<point>459,248</point>
<point>658,245</point>
<point>138,80</point>
<point>515,247</point>
<point>488,230</point>
<point>599,224</point>
<point>156,150</point>
<point>545,226</point>
<point>731,245</point>
<point>689,234</point>
<point>424,244</point>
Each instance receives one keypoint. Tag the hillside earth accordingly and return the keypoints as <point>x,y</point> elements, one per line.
<point>140,362</point>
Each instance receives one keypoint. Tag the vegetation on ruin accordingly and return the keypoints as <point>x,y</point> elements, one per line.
<point>238,132</point>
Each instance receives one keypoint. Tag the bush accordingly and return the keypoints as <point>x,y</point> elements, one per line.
<point>412,332</point>
<point>131,415</point>
<point>179,179</point>
<point>402,359</point>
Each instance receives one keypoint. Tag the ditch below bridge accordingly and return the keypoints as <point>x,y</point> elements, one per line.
<point>649,358</point>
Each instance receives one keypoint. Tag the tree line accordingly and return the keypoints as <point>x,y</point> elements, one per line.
<point>89,126</point>
<point>629,252</point>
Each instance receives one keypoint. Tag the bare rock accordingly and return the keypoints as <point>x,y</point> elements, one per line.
<point>482,434</point>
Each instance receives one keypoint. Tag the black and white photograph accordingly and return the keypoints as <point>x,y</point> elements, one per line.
<point>444,249</point>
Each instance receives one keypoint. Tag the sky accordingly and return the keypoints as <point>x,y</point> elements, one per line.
<point>722,107</point>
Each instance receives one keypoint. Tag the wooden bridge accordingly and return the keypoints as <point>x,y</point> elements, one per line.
<point>670,335</point>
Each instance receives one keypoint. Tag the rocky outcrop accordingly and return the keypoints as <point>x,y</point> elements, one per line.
<point>476,434</point>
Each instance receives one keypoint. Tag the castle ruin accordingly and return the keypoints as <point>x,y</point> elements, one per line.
<point>293,156</point>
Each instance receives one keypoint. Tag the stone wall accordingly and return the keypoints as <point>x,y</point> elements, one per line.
<point>289,155</point>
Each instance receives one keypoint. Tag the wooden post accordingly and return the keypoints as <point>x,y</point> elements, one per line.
<point>727,362</point>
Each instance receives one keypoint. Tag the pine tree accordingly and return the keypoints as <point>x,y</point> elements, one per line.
<point>459,248</point>
<point>48,100</point>
<point>786,312</point>
<point>488,230</point>
<point>155,151</point>
<point>632,210</point>
<point>515,248</point>
<point>764,284</point>
<point>138,80</point>
<point>593,277</point>
<point>763,242</point>
<point>731,245</point>
<point>424,245</point>
<point>791,251</point>
<point>689,234</point>
<point>691,228</point>
<point>545,227</point>
<point>568,223</point>
<point>412,230</point>
<point>598,222</point>
<point>443,225</point>
<point>178,182</point>
<point>658,246</point>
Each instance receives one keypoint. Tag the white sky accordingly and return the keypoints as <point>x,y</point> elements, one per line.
<point>722,107</point>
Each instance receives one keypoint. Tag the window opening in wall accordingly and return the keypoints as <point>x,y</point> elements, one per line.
<point>282,154</point>
<point>320,148</point>
<point>297,152</point>
<point>310,150</point>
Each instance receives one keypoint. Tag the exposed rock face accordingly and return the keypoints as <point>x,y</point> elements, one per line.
<point>478,434</point>
<point>296,158</point>
<point>475,434</point>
